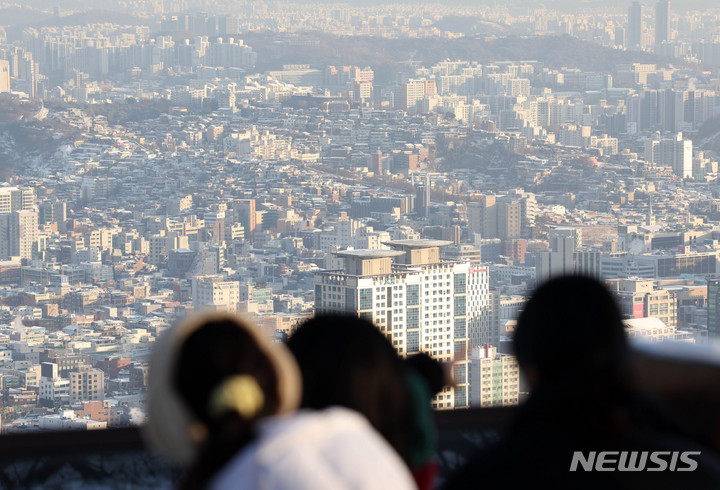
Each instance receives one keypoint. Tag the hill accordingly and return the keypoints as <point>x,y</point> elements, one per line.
<point>387,56</point>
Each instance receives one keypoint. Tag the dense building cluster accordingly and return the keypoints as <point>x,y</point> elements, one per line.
<point>430,202</point>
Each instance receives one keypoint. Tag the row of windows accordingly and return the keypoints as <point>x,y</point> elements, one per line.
<point>366,299</point>
<point>413,295</point>
<point>459,306</point>
<point>460,328</point>
<point>413,342</point>
<point>460,281</point>
<point>460,397</point>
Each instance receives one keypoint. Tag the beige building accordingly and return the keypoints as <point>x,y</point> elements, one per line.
<point>482,217</point>
<point>506,216</point>
<point>87,384</point>
<point>16,199</point>
<point>638,298</point>
<point>18,233</point>
<point>494,378</point>
<point>214,292</point>
<point>4,76</point>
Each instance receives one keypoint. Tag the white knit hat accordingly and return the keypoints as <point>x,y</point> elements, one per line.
<point>172,430</point>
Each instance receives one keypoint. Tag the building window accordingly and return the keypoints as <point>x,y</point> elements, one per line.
<point>413,295</point>
<point>460,281</point>
<point>460,328</point>
<point>413,342</point>
<point>366,299</point>
<point>460,306</point>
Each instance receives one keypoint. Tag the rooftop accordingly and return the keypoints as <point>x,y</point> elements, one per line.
<point>418,243</point>
<point>368,254</point>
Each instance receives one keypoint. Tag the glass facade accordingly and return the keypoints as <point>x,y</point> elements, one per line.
<point>366,299</point>
<point>460,281</point>
<point>350,300</point>
<point>691,264</point>
<point>460,306</point>
<point>412,319</point>
<point>412,295</point>
<point>413,342</point>
<point>460,373</point>
<point>461,397</point>
<point>460,328</point>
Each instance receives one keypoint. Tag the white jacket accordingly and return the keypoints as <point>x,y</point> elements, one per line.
<point>330,449</point>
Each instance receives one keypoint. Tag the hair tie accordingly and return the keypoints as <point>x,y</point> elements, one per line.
<point>240,393</point>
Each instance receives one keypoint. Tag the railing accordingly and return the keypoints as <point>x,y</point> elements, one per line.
<point>118,458</point>
<point>688,381</point>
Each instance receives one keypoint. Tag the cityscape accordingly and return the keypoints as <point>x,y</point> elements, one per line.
<point>421,166</point>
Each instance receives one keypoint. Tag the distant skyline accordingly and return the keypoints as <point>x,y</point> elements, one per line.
<point>563,5</point>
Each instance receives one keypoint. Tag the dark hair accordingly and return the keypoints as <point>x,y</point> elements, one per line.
<point>347,361</point>
<point>429,369</point>
<point>572,327</point>
<point>211,354</point>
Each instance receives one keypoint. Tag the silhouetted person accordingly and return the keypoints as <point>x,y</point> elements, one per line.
<point>212,380</point>
<point>223,402</point>
<point>347,361</point>
<point>571,345</point>
<point>425,378</point>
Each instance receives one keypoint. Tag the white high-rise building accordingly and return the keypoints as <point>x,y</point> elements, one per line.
<point>18,233</point>
<point>421,304</point>
<point>675,152</point>
<point>683,164</point>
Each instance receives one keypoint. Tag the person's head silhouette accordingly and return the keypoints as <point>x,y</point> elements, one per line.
<point>347,361</point>
<point>571,329</point>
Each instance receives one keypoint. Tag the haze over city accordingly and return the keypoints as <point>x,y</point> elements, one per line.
<point>423,166</point>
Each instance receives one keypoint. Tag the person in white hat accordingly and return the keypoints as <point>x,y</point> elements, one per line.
<point>222,402</point>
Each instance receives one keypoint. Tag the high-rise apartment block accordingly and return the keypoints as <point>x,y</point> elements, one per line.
<point>16,199</point>
<point>494,378</point>
<point>414,91</point>
<point>422,304</point>
<point>558,261</point>
<point>18,233</point>
<point>4,76</point>
<point>482,217</point>
<point>506,217</point>
<point>662,21</point>
<point>246,214</point>
<point>675,152</point>
<point>635,24</point>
